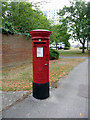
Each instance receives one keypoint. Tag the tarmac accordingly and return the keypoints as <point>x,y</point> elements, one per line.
<point>74,57</point>
<point>68,100</point>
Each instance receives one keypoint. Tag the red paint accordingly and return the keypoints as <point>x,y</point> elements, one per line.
<point>40,64</point>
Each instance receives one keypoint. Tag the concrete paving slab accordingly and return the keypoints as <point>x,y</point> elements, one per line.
<point>8,98</point>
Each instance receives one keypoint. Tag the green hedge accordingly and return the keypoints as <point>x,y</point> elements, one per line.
<point>82,47</point>
<point>53,54</point>
<point>67,48</point>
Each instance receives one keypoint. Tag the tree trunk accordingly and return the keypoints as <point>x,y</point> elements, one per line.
<point>87,44</point>
<point>56,45</point>
<point>83,51</point>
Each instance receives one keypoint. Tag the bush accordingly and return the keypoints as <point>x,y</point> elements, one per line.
<point>67,44</point>
<point>8,28</point>
<point>66,48</point>
<point>82,47</point>
<point>53,54</point>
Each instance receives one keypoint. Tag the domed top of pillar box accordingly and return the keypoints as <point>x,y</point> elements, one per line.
<point>40,34</point>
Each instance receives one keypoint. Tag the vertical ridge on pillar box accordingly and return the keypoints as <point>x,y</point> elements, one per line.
<point>40,45</point>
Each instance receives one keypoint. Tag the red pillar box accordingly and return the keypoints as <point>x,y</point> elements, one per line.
<point>40,45</point>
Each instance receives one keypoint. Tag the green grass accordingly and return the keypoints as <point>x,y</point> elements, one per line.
<point>21,77</point>
<point>73,52</point>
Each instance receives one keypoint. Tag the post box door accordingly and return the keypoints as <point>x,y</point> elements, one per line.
<point>41,62</point>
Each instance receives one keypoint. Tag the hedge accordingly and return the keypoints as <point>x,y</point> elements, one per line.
<point>82,47</point>
<point>53,54</point>
<point>66,48</point>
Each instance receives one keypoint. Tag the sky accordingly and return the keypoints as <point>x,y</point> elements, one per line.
<point>52,4</point>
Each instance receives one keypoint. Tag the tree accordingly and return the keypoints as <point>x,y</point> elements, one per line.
<point>76,19</point>
<point>88,18</point>
<point>64,36</point>
<point>60,34</point>
<point>55,35</point>
<point>23,17</point>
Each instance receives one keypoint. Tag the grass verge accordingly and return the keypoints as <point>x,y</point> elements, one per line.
<point>20,78</point>
<point>73,52</point>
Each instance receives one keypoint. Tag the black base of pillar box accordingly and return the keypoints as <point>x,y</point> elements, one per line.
<point>41,91</point>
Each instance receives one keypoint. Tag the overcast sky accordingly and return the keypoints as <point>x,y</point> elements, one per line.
<point>52,4</point>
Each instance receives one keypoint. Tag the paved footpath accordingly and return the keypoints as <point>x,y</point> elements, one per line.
<point>75,57</point>
<point>69,100</point>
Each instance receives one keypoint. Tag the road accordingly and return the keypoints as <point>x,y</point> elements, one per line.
<point>68,100</point>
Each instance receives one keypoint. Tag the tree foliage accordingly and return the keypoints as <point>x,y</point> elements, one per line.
<point>76,18</point>
<point>8,29</point>
<point>23,17</point>
<point>60,34</point>
<point>88,18</point>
